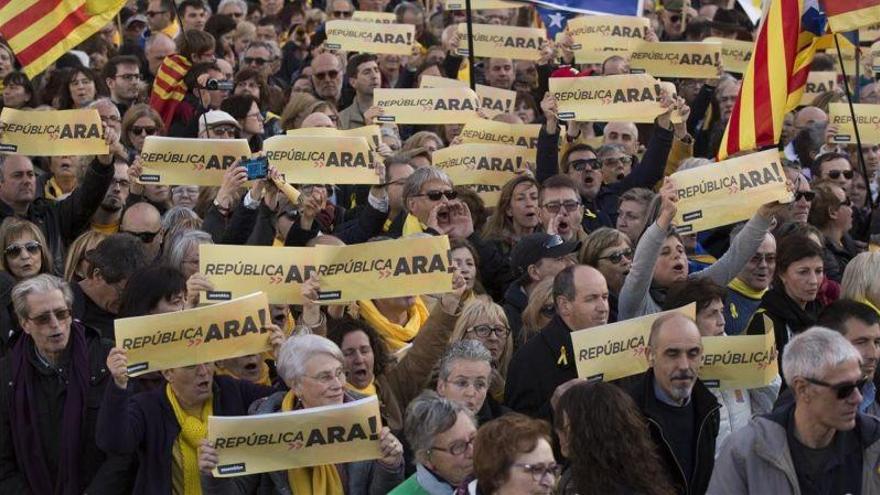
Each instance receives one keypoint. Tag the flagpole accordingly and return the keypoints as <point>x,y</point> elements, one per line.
<point>472,77</point>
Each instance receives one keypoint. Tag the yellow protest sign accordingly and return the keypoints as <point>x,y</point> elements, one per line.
<point>728,192</point>
<point>482,4</point>
<point>494,101</point>
<point>597,37</point>
<point>739,361</point>
<point>490,40</point>
<point>818,83</point>
<point>490,131</point>
<point>264,443</point>
<point>867,118</point>
<point>52,132</point>
<point>370,16</point>
<point>427,105</point>
<point>375,270</point>
<point>676,59</point>
<point>198,162</point>
<point>617,350</point>
<point>373,133</point>
<point>194,336</point>
<point>489,193</point>
<point>481,163</point>
<point>624,97</point>
<point>321,160</point>
<point>370,37</point>
<point>735,54</point>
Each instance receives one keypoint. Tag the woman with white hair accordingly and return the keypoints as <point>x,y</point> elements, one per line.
<point>312,366</point>
<point>861,280</point>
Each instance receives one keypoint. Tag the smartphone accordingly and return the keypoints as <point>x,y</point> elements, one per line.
<point>257,168</point>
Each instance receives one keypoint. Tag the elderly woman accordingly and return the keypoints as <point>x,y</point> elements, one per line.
<point>183,254</point>
<point>484,321</point>
<point>313,368</point>
<point>861,280</point>
<point>441,433</point>
<point>514,454</point>
<point>464,375</point>
<point>609,251</point>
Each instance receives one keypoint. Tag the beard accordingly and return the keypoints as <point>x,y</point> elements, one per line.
<point>112,205</point>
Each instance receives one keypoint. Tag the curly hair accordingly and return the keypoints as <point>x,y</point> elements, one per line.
<point>338,329</point>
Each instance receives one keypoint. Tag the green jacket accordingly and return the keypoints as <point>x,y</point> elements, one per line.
<point>410,487</point>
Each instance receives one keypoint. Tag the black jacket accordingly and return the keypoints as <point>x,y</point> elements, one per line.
<point>788,318</point>
<point>515,301</point>
<point>543,363</point>
<point>641,389</point>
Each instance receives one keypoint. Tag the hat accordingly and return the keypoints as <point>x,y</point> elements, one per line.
<point>731,21</point>
<point>135,18</point>
<point>535,247</point>
<point>214,118</point>
<point>673,5</point>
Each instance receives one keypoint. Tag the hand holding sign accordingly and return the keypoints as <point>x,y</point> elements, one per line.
<point>196,284</point>
<point>391,449</point>
<point>668,208</point>
<point>117,363</point>
<point>208,458</point>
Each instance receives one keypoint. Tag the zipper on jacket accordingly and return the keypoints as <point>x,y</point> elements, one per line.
<point>687,480</point>
<point>699,434</point>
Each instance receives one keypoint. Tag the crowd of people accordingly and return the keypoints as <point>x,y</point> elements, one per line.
<point>478,387</point>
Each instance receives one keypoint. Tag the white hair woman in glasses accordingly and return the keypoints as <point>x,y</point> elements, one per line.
<point>312,366</point>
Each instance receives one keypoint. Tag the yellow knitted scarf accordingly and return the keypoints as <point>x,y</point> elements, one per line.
<point>315,480</point>
<point>370,389</point>
<point>192,431</point>
<point>739,286</point>
<point>412,225</point>
<point>396,336</point>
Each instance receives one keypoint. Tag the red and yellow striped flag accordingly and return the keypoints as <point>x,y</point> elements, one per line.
<point>168,87</point>
<point>849,15</point>
<point>40,31</point>
<point>777,74</point>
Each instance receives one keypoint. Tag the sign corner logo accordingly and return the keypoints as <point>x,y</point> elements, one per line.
<point>232,468</point>
<point>149,178</point>
<point>8,148</point>
<point>566,115</point>
<point>218,295</point>
<point>694,215</point>
<point>134,368</point>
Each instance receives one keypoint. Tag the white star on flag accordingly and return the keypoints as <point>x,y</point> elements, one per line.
<point>556,20</point>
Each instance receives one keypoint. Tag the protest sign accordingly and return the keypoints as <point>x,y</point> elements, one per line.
<point>198,162</point>
<point>482,163</point>
<point>494,101</point>
<point>676,59</point>
<point>739,361</point>
<point>322,159</point>
<point>373,133</point>
<point>370,37</point>
<point>375,270</point>
<point>370,16</point>
<point>427,105</point>
<point>617,350</point>
<point>490,40</point>
<point>489,193</point>
<point>280,441</point>
<point>867,118</point>
<point>481,4</point>
<point>194,336</point>
<point>598,37</point>
<point>818,83</point>
<point>728,192</point>
<point>490,131</point>
<point>735,54</point>
<point>624,97</point>
<point>52,132</point>
<point>429,81</point>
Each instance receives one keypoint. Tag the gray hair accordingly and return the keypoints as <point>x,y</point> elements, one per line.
<point>693,162</point>
<point>861,278</point>
<point>176,215</point>
<point>181,243</point>
<point>103,101</point>
<point>419,178</point>
<point>40,284</point>
<point>271,46</point>
<point>609,148</point>
<point>427,416</point>
<point>296,351</point>
<point>402,7</point>
<point>814,352</point>
<point>465,350</point>
<point>240,3</point>
<point>328,8</point>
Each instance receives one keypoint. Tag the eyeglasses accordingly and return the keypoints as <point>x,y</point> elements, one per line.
<point>483,331</point>
<point>457,448</point>
<point>539,471</point>
<point>145,130</point>
<point>342,13</point>
<point>255,61</point>
<point>223,130</point>
<point>32,247</point>
<point>614,160</point>
<point>835,174</point>
<point>768,258</point>
<point>145,237</point>
<point>330,74</point>
<point>570,206</point>
<point>843,390</point>
<point>327,377</point>
<point>548,310</point>
<point>46,318</point>
<point>129,77</point>
<point>807,195</point>
<point>581,165</point>
<point>152,14</point>
<point>436,195</point>
<point>617,257</point>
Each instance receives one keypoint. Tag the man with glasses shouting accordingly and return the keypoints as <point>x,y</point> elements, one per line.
<point>819,444</point>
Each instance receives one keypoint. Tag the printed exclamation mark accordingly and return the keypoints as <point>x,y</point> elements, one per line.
<point>262,315</point>
<point>374,431</point>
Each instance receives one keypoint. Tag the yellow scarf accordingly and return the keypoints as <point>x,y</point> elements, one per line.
<point>315,480</point>
<point>370,389</point>
<point>412,225</point>
<point>109,229</point>
<point>739,286</point>
<point>868,303</point>
<point>396,336</point>
<point>192,431</point>
<point>264,378</point>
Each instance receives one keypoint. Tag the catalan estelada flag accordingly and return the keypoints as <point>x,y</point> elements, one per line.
<point>168,87</point>
<point>777,74</point>
<point>40,31</point>
<point>849,15</point>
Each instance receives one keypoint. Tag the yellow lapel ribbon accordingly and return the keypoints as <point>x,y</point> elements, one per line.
<point>563,357</point>
<point>315,480</point>
<point>192,431</point>
<point>396,336</point>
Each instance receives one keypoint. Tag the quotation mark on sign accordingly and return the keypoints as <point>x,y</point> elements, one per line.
<point>193,342</point>
<point>198,166</point>
<point>384,273</point>
<point>317,163</point>
<point>294,445</point>
<point>274,280</point>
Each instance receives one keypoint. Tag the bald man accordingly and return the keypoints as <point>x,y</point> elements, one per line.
<point>809,115</point>
<point>623,133</point>
<point>317,119</point>
<point>547,360</point>
<point>144,221</point>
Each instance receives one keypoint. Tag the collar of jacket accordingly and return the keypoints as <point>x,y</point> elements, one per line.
<point>516,296</point>
<point>704,400</point>
<point>557,337</point>
<point>867,428</point>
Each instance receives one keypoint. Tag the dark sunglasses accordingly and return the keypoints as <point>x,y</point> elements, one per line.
<point>342,13</point>
<point>581,165</point>
<point>807,195</point>
<point>843,390</point>
<point>835,174</point>
<point>617,257</point>
<point>145,237</point>
<point>331,74</point>
<point>148,130</point>
<point>436,195</point>
<point>32,247</point>
<point>46,318</point>
<point>255,60</point>
<point>223,130</point>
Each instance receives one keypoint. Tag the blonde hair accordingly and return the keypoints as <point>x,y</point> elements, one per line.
<point>861,279</point>
<point>77,252</point>
<point>419,139</point>
<point>540,295</point>
<point>483,309</point>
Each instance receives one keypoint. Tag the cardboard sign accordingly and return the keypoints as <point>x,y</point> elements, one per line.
<point>676,59</point>
<point>308,437</point>
<point>370,37</point>
<point>490,131</point>
<point>735,54</point>
<point>818,83</point>
<point>194,336</point>
<point>482,5</point>
<point>369,16</point>
<point>427,106</point>
<point>495,101</point>
<point>481,163</point>
<point>375,270</point>
<point>516,43</point>
<point>197,162</point>
<point>867,118</point>
<point>429,81</point>
<point>322,160</point>
<point>373,133</point>
<point>739,361</point>
<point>624,97</point>
<point>728,192</point>
<point>617,350</point>
<point>598,37</point>
<point>52,132</point>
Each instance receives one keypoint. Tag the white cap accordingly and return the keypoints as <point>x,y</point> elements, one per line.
<point>216,117</point>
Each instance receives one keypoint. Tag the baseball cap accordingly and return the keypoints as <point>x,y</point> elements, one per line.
<point>216,117</point>
<point>135,18</point>
<point>535,247</point>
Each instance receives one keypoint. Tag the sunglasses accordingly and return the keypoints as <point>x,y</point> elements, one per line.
<point>145,237</point>
<point>581,165</point>
<point>32,247</point>
<point>46,318</point>
<point>617,257</point>
<point>843,390</point>
<point>154,14</point>
<point>342,13</point>
<point>835,174</point>
<point>330,74</point>
<point>807,195</point>
<point>436,195</point>
<point>146,130</point>
<point>225,131</point>
<point>255,60</point>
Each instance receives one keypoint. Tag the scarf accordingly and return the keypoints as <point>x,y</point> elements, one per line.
<point>739,286</point>
<point>323,479</point>
<point>370,389</point>
<point>396,336</point>
<point>23,417</point>
<point>264,378</point>
<point>777,303</point>
<point>871,305</point>
<point>192,431</point>
<point>412,225</point>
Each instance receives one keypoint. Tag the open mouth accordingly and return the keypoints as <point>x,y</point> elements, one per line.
<point>563,226</point>
<point>251,367</point>
<point>443,215</point>
<point>204,386</point>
